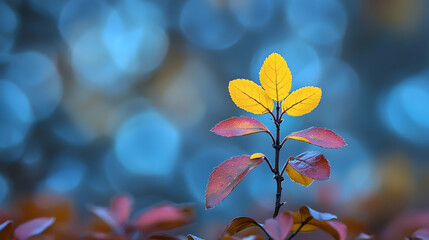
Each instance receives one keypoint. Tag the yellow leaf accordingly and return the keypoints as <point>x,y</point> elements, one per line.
<point>257,155</point>
<point>298,177</point>
<point>297,223</point>
<point>302,101</point>
<point>275,77</point>
<point>250,96</point>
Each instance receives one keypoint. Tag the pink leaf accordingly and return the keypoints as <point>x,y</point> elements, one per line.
<point>307,212</point>
<point>226,176</point>
<point>239,127</point>
<point>338,230</point>
<point>6,230</point>
<point>321,137</point>
<point>121,208</point>
<point>311,164</point>
<point>163,217</point>
<point>280,226</point>
<point>33,227</point>
<point>421,234</point>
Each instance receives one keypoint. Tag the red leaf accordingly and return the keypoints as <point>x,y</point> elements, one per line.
<point>107,216</point>
<point>226,176</point>
<point>239,224</point>
<point>6,230</point>
<point>121,208</point>
<point>311,164</point>
<point>421,234</point>
<point>364,236</point>
<point>163,217</point>
<point>321,137</point>
<point>307,212</point>
<point>280,226</point>
<point>241,126</point>
<point>33,227</point>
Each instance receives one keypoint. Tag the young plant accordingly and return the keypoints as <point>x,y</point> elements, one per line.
<point>272,98</point>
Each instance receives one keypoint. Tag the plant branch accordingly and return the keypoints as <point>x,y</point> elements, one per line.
<point>284,167</point>
<point>265,231</point>
<point>272,114</point>
<point>269,164</point>
<point>300,227</point>
<point>283,142</point>
<point>272,137</point>
<point>281,115</point>
<point>277,120</point>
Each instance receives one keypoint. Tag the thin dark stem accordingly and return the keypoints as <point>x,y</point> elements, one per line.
<point>265,231</point>
<point>277,176</point>
<point>281,115</point>
<point>302,225</point>
<point>272,137</point>
<point>269,164</point>
<point>283,142</point>
<point>272,114</point>
<point>284,167</point>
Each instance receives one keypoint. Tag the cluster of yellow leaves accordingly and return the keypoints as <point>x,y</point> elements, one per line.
<point>276,80</point>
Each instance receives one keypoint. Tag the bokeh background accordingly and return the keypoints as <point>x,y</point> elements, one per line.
<point>104,97</point>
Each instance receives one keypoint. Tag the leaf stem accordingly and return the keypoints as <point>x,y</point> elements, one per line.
<point>284,167</point>
<point>283,142</point>
<point>269,164</point>
<point>265,231</point>
<point>277,121</point>
<point>300,227</point>
<point>272,137</point>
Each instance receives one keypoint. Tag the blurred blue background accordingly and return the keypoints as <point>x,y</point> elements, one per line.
<point>104,97</point>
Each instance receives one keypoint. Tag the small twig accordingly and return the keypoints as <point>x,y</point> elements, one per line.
<point>284,167</point>
<point>265,231</point>
<point>283,142</point>
<point>269,164</point>
<point>281,115</point>
<point>302,225</point>
<point>272,137</point>
<point>272,114</point>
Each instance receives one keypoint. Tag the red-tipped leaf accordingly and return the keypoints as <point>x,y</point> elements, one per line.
<point>226,176</point>
<point>33,227</point>
<point>321,137</point>
<point>239,126</point>
<point>280,226</point>
<point>163,217</point>
<point>311,164</point>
